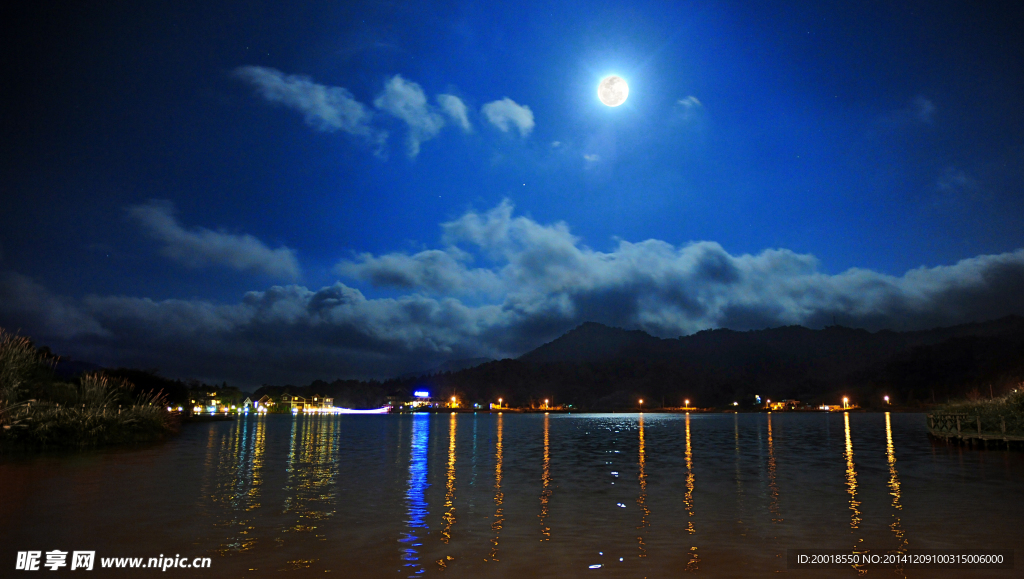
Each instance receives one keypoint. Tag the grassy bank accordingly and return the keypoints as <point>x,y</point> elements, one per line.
<point>993,411</point>
<point>37,410</point>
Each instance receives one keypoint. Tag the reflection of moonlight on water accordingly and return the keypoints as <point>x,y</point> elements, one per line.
<point>613,91</point>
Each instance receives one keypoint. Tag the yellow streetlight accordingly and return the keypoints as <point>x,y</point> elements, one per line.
<point>641,404</point>
<point>499,403</point>
<point>845,402</point>
<point>545,403</point>
<point>886,399</point>
<point>453,402</point>
<point>686,403</point>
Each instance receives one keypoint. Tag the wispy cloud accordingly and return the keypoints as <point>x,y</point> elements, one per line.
<point>405,100</point>
<point>688,112</point>
<point>506,112</point>
<point>954,181</point>
<point>333,108</point>
<point>923,109</point>
<point>200,247</point>
<point>689,102</point>
<point>327,108</point>
<point>456,110</point>
<point>918,112</point>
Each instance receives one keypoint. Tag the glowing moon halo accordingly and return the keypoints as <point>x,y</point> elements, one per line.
<point>613,90</point>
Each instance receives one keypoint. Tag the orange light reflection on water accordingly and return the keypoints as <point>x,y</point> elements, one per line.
<point>242,478</point>
<point>641,500</point>
<point>545,478</point>
<point>499,497</point>
<point>851,477</point>
<point>449,497</point>
<point>894,490</point>
<point>851,487</point>
<point>694,558</point>
<point>773,486</point>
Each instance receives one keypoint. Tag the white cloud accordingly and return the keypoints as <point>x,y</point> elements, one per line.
<point>405,100</point>
<point>332,108</point>
<point>592,158</point>
<point>507,112</point>
<point>435,271</point>
<point>672,290</point>
<point>200,246</point>
<point>326,108</point>
<point>456,110</point>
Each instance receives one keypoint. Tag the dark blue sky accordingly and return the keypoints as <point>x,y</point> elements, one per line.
<point>351,189</point>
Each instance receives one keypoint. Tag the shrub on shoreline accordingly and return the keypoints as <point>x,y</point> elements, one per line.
<point>37,411</point>
<point>993,412</point>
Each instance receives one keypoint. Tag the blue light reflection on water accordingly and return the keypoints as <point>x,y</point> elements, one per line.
<point>416,493</point>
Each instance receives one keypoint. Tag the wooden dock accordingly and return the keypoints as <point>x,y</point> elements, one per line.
<point>971,430</point>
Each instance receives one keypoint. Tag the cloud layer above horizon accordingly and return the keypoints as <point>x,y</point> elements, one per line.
<point>498,285</point>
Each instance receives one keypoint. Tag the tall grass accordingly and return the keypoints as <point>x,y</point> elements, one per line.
<point>993,412</point>
<point>36,410</point>
<point>19,361</point>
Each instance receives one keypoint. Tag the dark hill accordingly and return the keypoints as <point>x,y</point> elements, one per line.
<point>832,353</point>
<point>449,366</point>
<point>599,367</point>
<point>593,342</point>
<point>595,365</point>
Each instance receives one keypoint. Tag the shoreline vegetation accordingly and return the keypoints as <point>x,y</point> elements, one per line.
<point>38,410</point>
<point>994,417</point>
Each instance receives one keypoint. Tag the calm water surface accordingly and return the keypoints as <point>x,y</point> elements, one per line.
<point>474,495</point>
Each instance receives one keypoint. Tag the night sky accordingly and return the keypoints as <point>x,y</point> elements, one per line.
<point>271,193</point>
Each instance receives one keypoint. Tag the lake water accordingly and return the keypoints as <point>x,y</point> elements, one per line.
<point>513,495</point>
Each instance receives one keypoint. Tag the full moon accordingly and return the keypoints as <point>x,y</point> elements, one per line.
<point>613,90</point>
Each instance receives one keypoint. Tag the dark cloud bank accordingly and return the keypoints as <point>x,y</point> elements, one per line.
<point>499,285</point>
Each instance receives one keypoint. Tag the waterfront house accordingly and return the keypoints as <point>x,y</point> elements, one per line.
<point>293,403</point>
<point>264,403</point>
<point>206,402</point>
<point>320,402</point>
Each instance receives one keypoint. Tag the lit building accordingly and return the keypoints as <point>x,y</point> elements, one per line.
<point>319,402</point>
<point>419,399</point>
<point>206,402</point>
<point>264,403</point>
<point>784,405</point>
<point>314,403</point>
